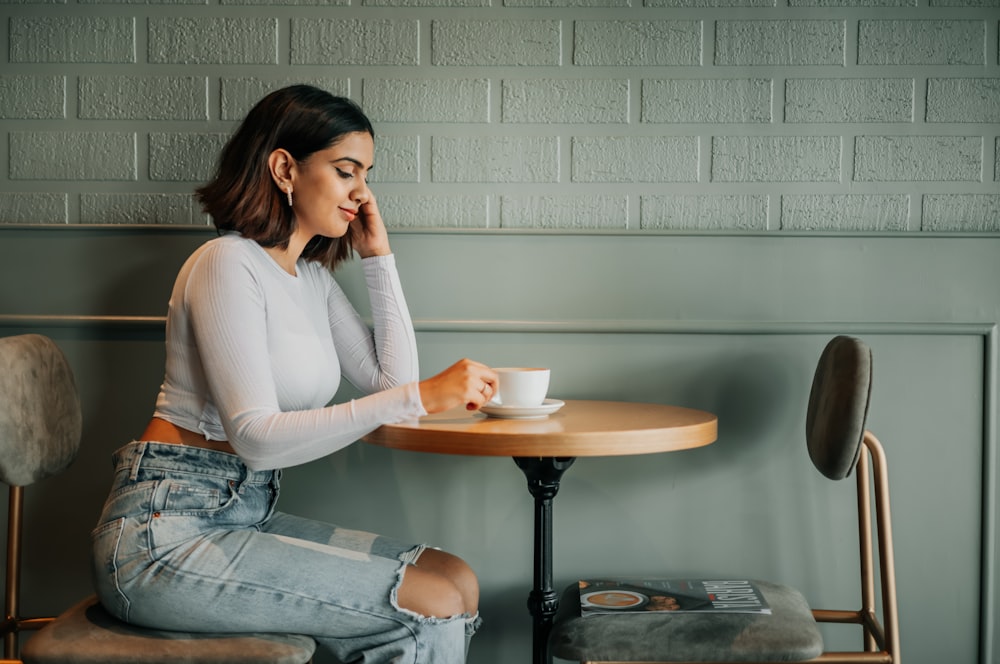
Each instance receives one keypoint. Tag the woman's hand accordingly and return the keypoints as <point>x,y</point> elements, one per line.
<point>368,234</point>
<point>465,382</point>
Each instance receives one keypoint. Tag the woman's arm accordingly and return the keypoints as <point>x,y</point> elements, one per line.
<point>383,358</point>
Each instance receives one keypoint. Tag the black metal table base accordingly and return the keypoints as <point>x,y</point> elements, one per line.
<point>543,475</point>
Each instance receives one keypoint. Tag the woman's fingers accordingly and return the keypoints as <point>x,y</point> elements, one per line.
<point>465,382</point>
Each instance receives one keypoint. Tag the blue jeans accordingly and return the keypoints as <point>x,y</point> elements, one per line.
<point>190,540</point>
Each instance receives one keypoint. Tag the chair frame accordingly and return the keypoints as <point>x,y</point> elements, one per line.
<point>880,638</point>
<point>14,623</point>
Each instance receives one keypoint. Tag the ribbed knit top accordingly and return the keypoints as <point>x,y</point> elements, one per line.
<point>255,355</point>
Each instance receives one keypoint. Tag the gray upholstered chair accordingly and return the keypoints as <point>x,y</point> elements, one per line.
<point>40,431</point>
<point>835,437</point>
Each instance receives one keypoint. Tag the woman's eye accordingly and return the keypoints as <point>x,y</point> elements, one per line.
<point>345,174</point>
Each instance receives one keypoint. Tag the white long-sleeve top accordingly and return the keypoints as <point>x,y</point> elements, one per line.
<point>255,355</point>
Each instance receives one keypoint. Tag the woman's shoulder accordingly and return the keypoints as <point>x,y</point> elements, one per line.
<point>229,244</point>
<point>223,258</point>
<point>229,248</point>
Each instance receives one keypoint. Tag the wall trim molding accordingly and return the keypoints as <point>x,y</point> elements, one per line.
<point>571,326</point>
<point>70,320</point>
<point>990,511</point>
<point>139,229</point>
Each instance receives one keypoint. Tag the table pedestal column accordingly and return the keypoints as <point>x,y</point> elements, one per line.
<point>543,475</point>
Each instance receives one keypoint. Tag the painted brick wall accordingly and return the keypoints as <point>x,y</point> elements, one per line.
<point>693,115</point>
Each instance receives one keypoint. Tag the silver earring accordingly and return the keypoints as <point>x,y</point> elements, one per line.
<point>289,192</point>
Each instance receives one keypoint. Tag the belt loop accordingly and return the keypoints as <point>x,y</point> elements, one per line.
<point>137,452</point>
<point>158,500</point>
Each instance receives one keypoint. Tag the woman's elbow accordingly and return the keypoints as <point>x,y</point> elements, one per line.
<point>253,446</point>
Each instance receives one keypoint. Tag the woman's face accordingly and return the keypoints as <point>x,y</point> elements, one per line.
<point>330,186</point>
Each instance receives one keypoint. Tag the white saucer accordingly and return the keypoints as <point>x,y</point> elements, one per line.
<point>547,407</point>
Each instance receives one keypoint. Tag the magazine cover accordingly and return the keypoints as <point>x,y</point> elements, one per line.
<point>643,595</point>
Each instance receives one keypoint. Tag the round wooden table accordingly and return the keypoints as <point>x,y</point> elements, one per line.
<point>543,449</point>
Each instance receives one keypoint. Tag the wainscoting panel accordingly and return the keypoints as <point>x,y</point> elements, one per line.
<point>730,324</point>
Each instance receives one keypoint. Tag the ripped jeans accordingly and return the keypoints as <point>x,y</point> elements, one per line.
<point>189,540</point>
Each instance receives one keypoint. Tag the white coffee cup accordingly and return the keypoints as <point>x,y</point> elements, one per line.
<point>521,387</point>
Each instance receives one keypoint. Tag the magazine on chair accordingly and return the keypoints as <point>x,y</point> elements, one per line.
<point>606,596</point>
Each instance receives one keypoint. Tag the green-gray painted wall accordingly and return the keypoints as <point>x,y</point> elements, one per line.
<point>678,202</point>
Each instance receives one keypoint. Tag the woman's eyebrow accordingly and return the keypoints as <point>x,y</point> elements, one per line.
<point>355,162</point>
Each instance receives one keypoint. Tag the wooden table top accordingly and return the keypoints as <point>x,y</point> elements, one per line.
<point>580,428</point>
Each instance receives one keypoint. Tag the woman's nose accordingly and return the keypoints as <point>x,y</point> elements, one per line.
<point>361,194</point>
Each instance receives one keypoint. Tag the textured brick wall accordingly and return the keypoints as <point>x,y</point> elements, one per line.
<point>745,115</point>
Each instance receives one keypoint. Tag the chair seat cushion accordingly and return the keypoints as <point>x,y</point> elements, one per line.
<point>87,634</point>
<point>788,634</point>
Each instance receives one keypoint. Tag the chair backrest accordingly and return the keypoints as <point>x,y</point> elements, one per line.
<point>837,438</point>
<point>838,406</point>
<point>40,416</point>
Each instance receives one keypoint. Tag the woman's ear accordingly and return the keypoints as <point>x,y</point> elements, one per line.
<point>281,164</point>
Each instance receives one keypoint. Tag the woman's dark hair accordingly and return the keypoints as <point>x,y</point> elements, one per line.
<point>242,196</point>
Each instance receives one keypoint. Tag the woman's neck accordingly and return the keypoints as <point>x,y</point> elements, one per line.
<point>288,256</point>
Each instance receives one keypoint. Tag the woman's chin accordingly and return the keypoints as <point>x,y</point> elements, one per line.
<point>336,230</point>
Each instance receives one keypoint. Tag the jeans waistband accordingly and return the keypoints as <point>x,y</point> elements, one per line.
<point>152,455</point>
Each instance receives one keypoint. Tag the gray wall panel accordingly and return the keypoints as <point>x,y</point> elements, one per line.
<point>730,324</point>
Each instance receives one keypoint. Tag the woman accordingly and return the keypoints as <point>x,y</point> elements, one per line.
<point>258,338</point>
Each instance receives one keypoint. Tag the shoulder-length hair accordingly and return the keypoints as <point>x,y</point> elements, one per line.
<point>242,196</point>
